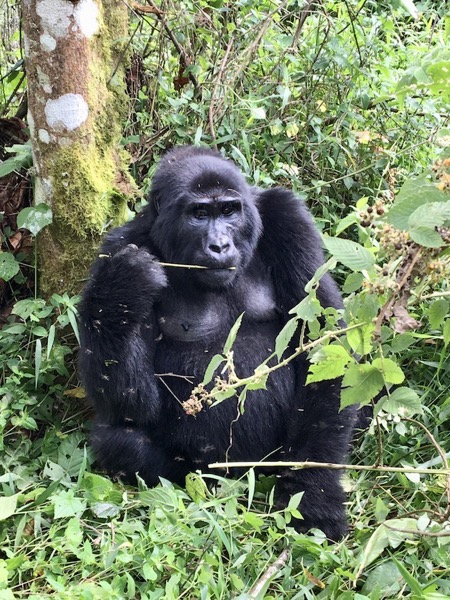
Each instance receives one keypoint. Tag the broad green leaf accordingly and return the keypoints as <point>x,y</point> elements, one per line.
<point>262,374</point>
<point>35,218</point>
<point>308,309</point>
<point>353,283</point>
<point>285,336</point>
<point>232,335</point>
<point>196,487</point>
<point>437,313</point>
<point>430,215</point>
<point>67,505</point>
<point>349,253</point>
<point>383,577</point>
<point>258,112</point>
<point>8,505</point>
<point>9,267</point>
<point>8,166</point>
<point>426,237</point>
<point>385,536</point>
<point>392,373</point>
<point>214,363</point>
<point>413,194</point>
<point>361,383</point>
<point>402,401</point>
<point>329,363</point>
<point>360,339</point>
<point>347,221</point>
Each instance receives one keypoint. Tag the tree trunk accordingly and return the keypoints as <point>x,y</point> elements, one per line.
<point>76,99</point>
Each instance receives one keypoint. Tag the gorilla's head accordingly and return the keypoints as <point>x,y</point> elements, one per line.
<point>205,214</point>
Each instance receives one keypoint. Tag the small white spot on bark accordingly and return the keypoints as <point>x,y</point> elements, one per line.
<point>55,16</point>
<point>30,120</point>
<point>86,17</point>
<point>67,112</point>
<point>48,42</point>
<point>44,136</point>
<point>44,81</point>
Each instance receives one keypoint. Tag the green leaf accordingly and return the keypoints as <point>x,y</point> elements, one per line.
<point>67,505</point>
<point>258,112</point>
<point>9,267</point>
<point>446,332</point>
<point>308,309</point>
<point>349,253</point>
<point>360,339</point>
<point>8,166</point>
<point>329,363</point>
<point>361,383</point>
<point>285,336</point>
<point>385,536</point>
<point>437,313</point>
<point>35,218</point>
<point>353,283</point>
<point>414,193</point>
<point>214,363</point>
<point>426,237</point>
<point>402,401</point>
<point>232,335</point>
<point>392,373</point>
<point>37,362</point>
<point>261,376</point>
<point>8,505</point>
<point>430,215</point>
<point>411,581</point>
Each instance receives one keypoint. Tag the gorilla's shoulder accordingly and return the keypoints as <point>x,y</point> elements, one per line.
<point>283,212</point>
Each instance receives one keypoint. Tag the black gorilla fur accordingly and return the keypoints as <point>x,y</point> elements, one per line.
<point>148,334</point>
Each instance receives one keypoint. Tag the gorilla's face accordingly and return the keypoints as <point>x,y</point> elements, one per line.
<point>207,217</point>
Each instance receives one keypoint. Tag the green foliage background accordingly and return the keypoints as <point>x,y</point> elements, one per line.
<point>347,103</point>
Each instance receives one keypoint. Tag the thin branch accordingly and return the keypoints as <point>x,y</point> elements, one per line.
<point>216,85</point>
<point>179,48</point>
<point>435,534</point>
<point>390,303</point>
<point>181,266</point>
<point>307,464</point>
<point>306,10</point>
<point>443,456</point>
<point>274,568</point>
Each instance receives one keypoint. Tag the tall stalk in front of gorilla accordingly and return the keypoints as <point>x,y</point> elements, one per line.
<point>76,99</point>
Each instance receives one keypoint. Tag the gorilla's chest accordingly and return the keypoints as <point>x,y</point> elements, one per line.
<point>209,315</point>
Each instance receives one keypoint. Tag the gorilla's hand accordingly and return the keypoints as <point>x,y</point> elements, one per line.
<point>136,266</point>
<point>124,287</point>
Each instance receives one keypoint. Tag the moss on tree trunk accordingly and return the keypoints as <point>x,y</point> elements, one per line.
<point>76,97</point>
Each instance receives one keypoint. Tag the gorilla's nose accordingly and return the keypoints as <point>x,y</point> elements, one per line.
<point>219,248</point>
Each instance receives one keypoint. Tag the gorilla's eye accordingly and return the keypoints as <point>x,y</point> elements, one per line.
<point>200,212</point>
<point>229,209</point>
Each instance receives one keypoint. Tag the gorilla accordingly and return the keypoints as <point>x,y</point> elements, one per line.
<point>149,331</point>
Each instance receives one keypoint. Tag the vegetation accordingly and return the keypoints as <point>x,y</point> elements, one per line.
<point>348,104</point>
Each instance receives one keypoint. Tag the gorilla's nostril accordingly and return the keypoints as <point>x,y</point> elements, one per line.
<point>218,249</point>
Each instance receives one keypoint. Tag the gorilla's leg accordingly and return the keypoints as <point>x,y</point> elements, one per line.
<point>322,505</point>
<point>124,450</point>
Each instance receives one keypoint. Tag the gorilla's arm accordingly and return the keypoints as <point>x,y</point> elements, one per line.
<point>117,327</point>
<point>291,246</point>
